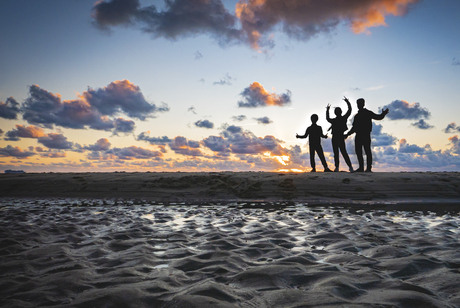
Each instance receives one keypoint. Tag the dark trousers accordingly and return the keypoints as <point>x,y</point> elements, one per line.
<point>318,149</point>
<point>363,141</point>
<point>338,143</point>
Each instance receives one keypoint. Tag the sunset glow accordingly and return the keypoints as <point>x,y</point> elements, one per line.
<point>212,85</point>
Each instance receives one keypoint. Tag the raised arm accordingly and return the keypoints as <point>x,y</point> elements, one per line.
<point>348,113</point>
<point>327,113</point>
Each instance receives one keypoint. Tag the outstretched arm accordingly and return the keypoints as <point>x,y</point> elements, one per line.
<point>327,113</point>
<point>350,132</point>
<point>348,113</point>
<point>323,135</point>
<point>380,116</point>
<point>303,136</point>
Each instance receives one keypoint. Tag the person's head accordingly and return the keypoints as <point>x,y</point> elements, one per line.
<point>338,111</point>
<point>314,118</point>
<point>360,103</point>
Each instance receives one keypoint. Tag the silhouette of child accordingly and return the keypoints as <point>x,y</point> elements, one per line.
<point>315,133</point>
<point>339,126</point>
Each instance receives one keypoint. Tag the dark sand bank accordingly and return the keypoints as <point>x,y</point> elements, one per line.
<point>312,188</point>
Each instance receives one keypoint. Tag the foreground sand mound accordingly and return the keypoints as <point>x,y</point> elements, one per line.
<point>234,186</point>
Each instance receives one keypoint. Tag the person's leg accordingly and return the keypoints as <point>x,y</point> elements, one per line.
<point>359,153</point>
<point>343,149</point>
<point>368,151</point>
<point>335,148</point>
<point>320,152</point>
<point>312,158</point>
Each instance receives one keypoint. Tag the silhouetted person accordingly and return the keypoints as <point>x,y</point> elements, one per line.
<point>339,126</point>
<point>315,133</point>
<point>362,126</point>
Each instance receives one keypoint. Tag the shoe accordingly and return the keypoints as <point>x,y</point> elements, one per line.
<point>327,170</point>
<point>336,170</point>
<point>351,169</point>
<point>359,170</point>
<point>368,170</point>
<point>313,170</point>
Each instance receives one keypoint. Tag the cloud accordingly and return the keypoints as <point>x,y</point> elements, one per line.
<point>204,124</point>
<point>53,154</point>
<point>114,12</point>
<point>134,152</point>
<point>381,139</point>
<point>217,144</point>
<point>122,96</point>
<point>22,131</point>
<point>181,145</point>
<point>355,89</point>
<point>256,96</point>
<point>254,21</point>
<point>302,20</point>
<point>455,62</point>
<point>227,80</point>
<point>263,120</point>
<point>405,147</point>
<point>421,124</point>
<point>123,126</point>
<point>179,19</point>
<point>55,141</point>
<point>239,118</point>
<point>402,110</point>
<point>101,145</point>
<point>455,144</point>
<point>9,109</point>
<point>451,128</point>
<point>16,152</point>
<point>145,136</point>
<point>192,109</point>
<point>235,140</point>
<point>91,109</point>
<point>198,55</point>
<point>416,158</point>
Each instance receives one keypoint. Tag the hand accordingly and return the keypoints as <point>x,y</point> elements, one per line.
<point>326,137</point>
<point>297,136</point>
<point>386,111</point>
<point>328,106</point>
<point>346,99</point>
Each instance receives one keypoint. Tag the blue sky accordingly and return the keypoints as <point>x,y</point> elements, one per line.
<point>187,88</point>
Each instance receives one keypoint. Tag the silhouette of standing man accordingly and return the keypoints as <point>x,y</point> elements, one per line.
<point>362,126</point>
<point>316,133</point>
<point>339,126</point>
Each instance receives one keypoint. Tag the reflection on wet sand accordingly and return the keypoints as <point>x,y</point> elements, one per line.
<point>83,253</point>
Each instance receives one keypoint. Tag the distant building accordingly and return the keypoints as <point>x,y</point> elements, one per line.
<point>14,171</point>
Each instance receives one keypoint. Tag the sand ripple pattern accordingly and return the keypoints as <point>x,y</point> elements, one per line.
<point>93,253</point>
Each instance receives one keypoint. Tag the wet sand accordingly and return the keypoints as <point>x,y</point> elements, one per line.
<point>95,253</point>
<point>248,239</point>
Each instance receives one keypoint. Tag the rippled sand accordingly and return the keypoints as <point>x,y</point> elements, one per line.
<point>94,253</point>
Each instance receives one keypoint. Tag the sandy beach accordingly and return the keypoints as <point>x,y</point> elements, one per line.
<point>230,240</point>
<point>312,188</point>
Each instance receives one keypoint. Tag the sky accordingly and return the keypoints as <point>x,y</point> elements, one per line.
<point>224,85</point>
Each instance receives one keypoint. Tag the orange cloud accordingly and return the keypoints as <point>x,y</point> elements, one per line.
<point>303,19</point>
<point>375,15</point>
<point>256,96</point>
